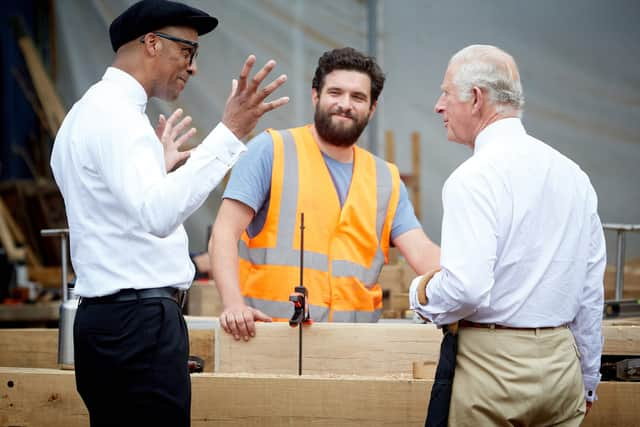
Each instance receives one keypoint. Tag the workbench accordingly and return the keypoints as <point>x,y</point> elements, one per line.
<point>357,374</point>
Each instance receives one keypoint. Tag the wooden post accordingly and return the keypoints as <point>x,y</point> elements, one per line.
<point>389,147</point>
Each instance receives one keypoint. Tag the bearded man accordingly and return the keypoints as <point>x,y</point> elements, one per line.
<point>355,208</point>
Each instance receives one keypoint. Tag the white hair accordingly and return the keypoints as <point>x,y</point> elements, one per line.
<point>493,70</point>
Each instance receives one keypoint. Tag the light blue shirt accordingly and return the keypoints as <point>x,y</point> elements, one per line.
<point>250,183</point>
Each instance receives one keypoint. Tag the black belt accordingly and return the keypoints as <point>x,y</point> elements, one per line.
<point>126,295</point>
<point>469,324</point>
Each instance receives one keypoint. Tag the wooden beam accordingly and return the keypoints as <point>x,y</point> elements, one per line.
<point>29,347</point>
<point>40,312</point>
<point>48,397</point>
<point>38,348</point>
<point>275,347</point>
<point>261,400</point>
<point>379,349</point>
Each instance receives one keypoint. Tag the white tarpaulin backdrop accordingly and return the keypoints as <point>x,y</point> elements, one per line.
<point>578,60</point>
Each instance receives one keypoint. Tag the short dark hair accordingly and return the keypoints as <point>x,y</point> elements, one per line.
<point>347,58</point>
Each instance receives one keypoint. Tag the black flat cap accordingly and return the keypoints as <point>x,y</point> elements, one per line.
<point>150,15</point>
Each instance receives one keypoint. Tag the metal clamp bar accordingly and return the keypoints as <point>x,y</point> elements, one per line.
<point>620,229</point>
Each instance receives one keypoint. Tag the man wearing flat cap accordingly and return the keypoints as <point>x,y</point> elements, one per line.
<point>125,206</point>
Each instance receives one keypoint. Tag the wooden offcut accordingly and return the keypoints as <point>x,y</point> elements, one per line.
<point>380,349</point>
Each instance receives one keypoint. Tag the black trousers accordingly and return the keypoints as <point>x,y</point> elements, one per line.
<point>438,410</point>
<point>131,363</point>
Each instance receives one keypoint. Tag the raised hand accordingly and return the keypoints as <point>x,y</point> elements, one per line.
<point>245,104</point>
<point>168,133</point>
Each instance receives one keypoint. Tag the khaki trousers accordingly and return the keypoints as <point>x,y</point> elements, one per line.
<point>510,377</point>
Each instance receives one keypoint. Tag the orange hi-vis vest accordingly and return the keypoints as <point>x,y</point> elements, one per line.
<point>344,248</point>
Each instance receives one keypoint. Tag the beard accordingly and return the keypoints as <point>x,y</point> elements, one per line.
<point>340,134</point>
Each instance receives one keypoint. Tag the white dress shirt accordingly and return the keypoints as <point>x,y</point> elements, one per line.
<point>124,211</point>
<point>522,243</point>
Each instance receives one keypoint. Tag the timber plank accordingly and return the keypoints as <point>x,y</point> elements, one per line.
<point>271,400</point>
<point>378,349</point>
<point>39,397</point>
<point>276,347</point>
<point>38,348</point>
<point>30,348</point>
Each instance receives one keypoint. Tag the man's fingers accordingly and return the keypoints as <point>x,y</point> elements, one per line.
<point>168,126</point>
<point>251,327</point>
<point>223,323</point>
<point>271,87</point>
<point>260,316</point>
<point>174,116</point>
<point>242,326</point>
<point>234,89</point>
<point>185,136</point>
<point>260,75</point>
<point>183,155</point>
<point>244,73</point>
<point>269,106</point>
<point>177,129</point>
<point>232,327</point>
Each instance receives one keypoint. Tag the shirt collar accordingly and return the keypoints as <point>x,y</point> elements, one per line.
<point>129,85</point>
<point>501,129</point>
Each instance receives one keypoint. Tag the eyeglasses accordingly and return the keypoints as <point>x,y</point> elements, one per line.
<point>193,52</point>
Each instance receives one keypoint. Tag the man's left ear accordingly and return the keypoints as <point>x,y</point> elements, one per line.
<point>478,99</point>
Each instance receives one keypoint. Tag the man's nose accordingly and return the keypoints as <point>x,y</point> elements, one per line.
<point>193,68</point>
<point>439,107</point>
<point>345,103</point>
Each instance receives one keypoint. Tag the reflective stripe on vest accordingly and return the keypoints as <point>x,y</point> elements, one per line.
<point>284,310</point>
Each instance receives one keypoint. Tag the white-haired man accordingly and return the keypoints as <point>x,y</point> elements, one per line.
<point>523,259</point>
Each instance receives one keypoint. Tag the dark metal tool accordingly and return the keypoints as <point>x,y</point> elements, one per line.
<point>300,300</point>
